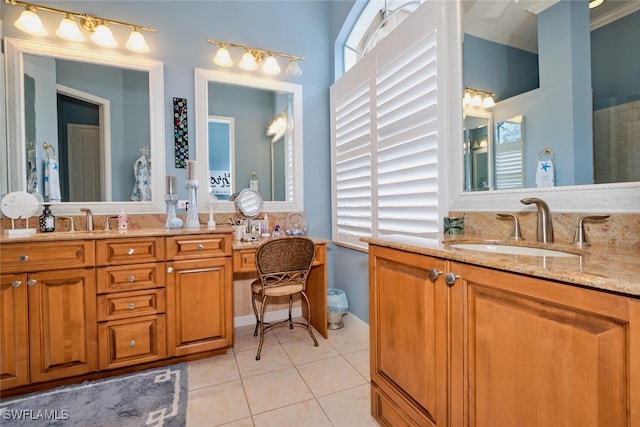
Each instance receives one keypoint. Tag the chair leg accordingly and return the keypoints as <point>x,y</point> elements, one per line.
<point>255,311</point>
<point>264,304</point>
<point>290,305</point>
<point>315,342</point>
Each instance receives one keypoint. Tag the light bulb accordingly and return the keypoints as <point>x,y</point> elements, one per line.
<point>271,66</point>
<point>69,30</point>
<point>223,58</point>
<point>248,62</point>
<point>293,69</point>
<point>30,23</point>
<point>476,100</point>
<point>466,99</point>
<point>102,36</point>
<point>488,102</point>
<point>136,42</point>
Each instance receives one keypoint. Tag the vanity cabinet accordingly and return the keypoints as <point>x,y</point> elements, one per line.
<point>496,348</point>
<point>48,312</point>
<point>199,294</point>
<point>131,301</point>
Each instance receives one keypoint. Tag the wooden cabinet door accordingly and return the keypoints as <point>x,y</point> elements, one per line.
<point>539,353</point>
<point>199,305</point>
<point>408,323</point>
<point>14,338</point>
<point>62,319</point>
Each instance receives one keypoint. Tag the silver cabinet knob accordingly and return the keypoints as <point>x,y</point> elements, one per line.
<point>24,258</point>
<point>169,270</point>
<point>131,251</point>
<point>131,279</point>
<point>132,343</point>
<point>200,247</point>
<point>132,306</point>
<point>450,278</point>
<point>16,283</point>
<point>31,282</point>
<point>434,274</point>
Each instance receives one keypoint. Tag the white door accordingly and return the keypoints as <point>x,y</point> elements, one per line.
<point>85,160</point>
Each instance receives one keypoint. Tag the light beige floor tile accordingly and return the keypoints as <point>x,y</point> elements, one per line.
<point>275,389</point>
<point>245,422</point>
<point>284,334</point>
<point>217,405</point>
<point>307,414</point>
<point>347,340</point>
<point>303,351</point>
<point>352,322</point>
<point>272,358</point>
<point>330,375</point>
<point>212,371</point>
<point>349,408</point>
<point>361,361</point>
<point>244,340</point>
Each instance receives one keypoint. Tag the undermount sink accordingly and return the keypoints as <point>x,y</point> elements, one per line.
<point>511,249</point>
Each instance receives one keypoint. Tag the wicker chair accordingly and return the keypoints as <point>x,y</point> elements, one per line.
<point>283,265</point>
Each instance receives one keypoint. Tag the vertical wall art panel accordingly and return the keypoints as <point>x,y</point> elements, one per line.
<point>180,132</point>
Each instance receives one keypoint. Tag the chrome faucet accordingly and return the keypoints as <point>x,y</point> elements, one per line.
<point>545,224</point>
<point>89,215</point>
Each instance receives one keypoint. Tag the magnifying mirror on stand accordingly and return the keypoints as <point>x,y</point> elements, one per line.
<point>248,204</point>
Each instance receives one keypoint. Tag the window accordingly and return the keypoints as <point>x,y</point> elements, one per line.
<point>387,123</point>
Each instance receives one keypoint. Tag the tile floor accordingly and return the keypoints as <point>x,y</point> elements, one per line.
<point>293,384</point>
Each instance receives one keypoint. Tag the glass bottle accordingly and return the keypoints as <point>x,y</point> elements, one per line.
<point>47,220</point>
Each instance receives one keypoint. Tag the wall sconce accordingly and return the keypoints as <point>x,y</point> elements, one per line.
<point>254,57</point>
<point>478,98</point>
<point>277,127</point>
<point>101,34</point>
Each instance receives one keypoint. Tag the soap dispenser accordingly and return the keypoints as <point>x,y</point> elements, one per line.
<point>123,220</point>
<point>47,220</point>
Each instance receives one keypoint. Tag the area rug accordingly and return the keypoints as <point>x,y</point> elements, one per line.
<point>155,397</point>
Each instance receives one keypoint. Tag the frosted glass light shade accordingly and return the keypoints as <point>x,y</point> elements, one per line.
<point>30,23</point>
<point>102,36</point>
<point>476,100</point>
<point>488,102</point>
<point>69,30</point>
<point>223,58</point>
<point>136,42</point>
<point>248,62</point>
<point>293,69</point>
<point>271,66</point>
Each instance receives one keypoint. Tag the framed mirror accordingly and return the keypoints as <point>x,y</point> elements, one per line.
<point>477,139</point>
<point>568,132</point>
<point>266,160</point>
<point>113,100</point>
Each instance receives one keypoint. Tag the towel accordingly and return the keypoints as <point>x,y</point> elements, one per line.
<point>32,172</point>
<point>52,181</point>
<point>142,175</point>
<point>545,174</point>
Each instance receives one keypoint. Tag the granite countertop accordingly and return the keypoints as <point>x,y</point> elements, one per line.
<point>609,268</point>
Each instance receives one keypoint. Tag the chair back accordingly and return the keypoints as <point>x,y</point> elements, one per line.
<point>285,261</point>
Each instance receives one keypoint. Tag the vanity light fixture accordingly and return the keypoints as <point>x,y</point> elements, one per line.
<point>101,34</point>
<point>478,98</point>
<point>595,3</point>
<point>253,57</point>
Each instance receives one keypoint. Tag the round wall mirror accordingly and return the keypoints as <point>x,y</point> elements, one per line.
<point>248,203</point>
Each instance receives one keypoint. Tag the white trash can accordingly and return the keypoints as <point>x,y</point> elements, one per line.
<point>337,307</point>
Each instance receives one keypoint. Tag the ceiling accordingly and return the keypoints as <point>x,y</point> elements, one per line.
<point>513,22</point>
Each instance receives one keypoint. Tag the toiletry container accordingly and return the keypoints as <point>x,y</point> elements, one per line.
<point>47,220</point>
<point>123,220</point>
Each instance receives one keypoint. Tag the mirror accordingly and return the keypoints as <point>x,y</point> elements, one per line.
<point>248,203</point>
<point>122,113</point>
<point>520,51</point>
<point>237,110</point>
<point>477,134</point>
<point>610,197</point>
<point>4,178</point>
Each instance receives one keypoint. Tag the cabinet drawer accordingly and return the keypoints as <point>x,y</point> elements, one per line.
<point>30,257</point>
<point>130,342</point>
<point>129,251</point>
<point>198,246</point>
<point>244,260</point>
<point>130,277</point>
<point>130,304</point>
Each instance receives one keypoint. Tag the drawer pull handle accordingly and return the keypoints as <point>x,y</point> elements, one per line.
<point>132,306</point>
<point>131,251</point>
<point>132,343</point>
<point>16,283</point>
<point>450,278</point>
<point>200,247</point>
<point>434,274</point>
<point>24,258</point>
<point>131,279</point>
<point>169,270</point>
<point>31,282</point>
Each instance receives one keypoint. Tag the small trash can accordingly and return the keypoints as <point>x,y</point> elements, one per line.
<point>337,306</point>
